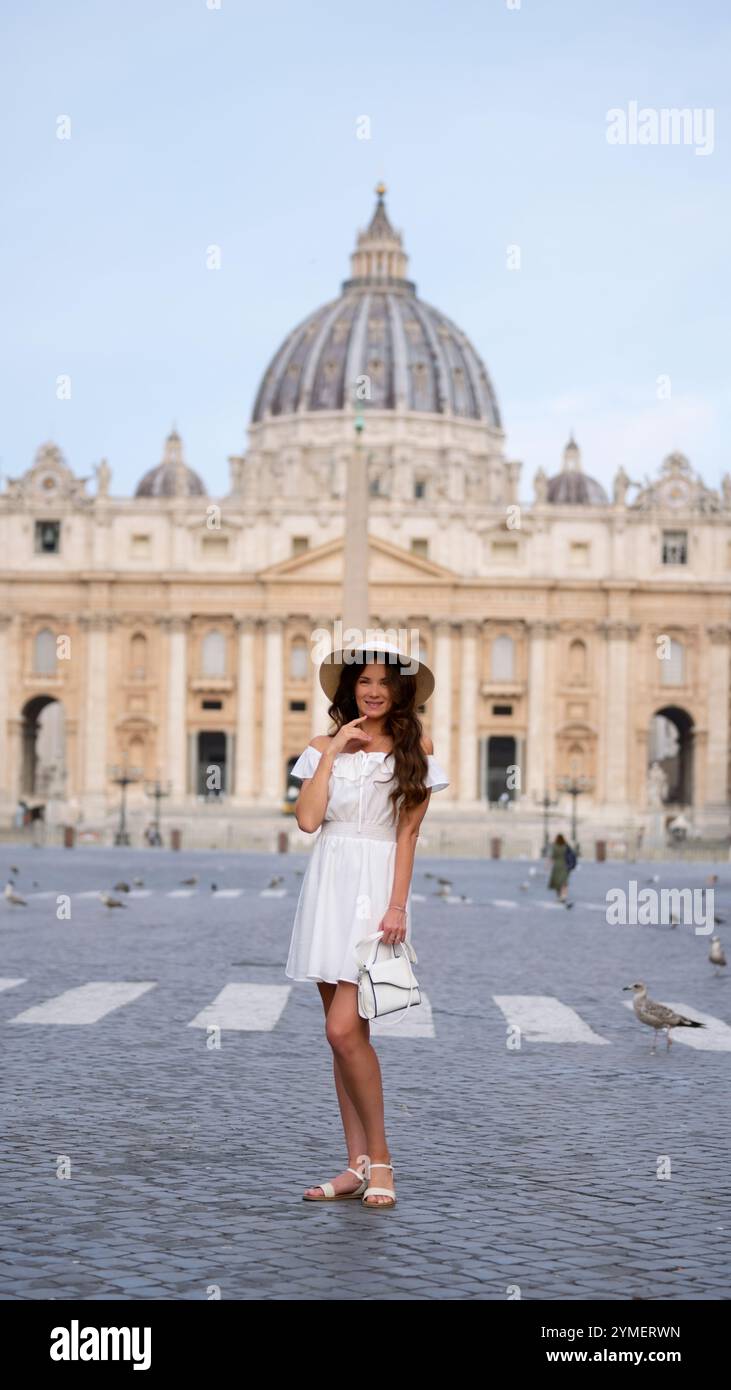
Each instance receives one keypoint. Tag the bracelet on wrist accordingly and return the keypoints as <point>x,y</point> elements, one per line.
<point>394,908</point>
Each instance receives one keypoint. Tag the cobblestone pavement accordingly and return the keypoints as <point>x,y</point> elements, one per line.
<point>535,1171</point>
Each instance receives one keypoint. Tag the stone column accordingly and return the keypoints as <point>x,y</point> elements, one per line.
<point>442,697</point>
<point>176,704</point>
<point>272,781</point>
<point>319,720</point>
<point>717,717</point>
<point>96,626</point>
<point>468,701</point>
<point>616,722</point>
<point>7,792</point>
<point>538,698</point>
<point>245,710</point>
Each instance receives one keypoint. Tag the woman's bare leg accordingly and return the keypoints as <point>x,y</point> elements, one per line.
<point>354,1132</point>
<point>360,1070</point>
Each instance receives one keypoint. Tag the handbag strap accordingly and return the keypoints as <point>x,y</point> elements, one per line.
<point>414,984</point>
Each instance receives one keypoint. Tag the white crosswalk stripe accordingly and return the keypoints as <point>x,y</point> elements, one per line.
<point>181,893</point>
<point>543,1018</point>
<point>86,1003</point>
<point>273,893</point>
<point>502,902</point>
<point>227,893</point>
<point>139,893</point>
<point>244,1008</point>
<point>90,893</point>
<point>715,1037</point>
<point>550,907</point>
<point>9,983</point>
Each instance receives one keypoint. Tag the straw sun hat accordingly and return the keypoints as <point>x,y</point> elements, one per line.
<point>332,666</point>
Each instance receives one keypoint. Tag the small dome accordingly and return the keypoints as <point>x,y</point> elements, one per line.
<point>572,487</point>
<point>172,477</point>
<point>404,353</point>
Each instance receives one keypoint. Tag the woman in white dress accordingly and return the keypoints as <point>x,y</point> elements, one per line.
<point>366,788</point>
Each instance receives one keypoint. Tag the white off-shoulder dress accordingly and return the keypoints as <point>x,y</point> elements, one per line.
<point>347,883</point>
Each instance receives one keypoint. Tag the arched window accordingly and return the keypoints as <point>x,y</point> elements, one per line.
<point>137,754</point>
<point>577,662</point>
<point>299,665</point>
<point>44,653</point>
<point>214,654</point>
<point>138,656</point>
<point>672,667</point>
<point>503,659</point>
<point>576,760</point>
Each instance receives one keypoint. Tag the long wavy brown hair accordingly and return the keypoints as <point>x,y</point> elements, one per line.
<point>402,723</point>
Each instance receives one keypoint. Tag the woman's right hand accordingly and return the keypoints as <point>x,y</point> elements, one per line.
<point>350,733</point>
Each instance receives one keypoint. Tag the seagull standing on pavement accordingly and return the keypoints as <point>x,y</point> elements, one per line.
<point>716,955</point>
<point>12,897</point>
<point>658,1016</point>
<point>109,901</point>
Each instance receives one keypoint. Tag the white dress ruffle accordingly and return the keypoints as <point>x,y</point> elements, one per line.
<point>347,884</point>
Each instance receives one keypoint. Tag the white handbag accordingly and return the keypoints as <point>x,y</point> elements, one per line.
<point>385,985</point>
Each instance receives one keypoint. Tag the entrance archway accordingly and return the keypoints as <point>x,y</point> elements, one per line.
<point>43,770</point>
<point>670,743</point>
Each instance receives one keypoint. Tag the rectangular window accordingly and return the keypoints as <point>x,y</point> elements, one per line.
<point>211,704</point>
<point>504,552</point>
<point>48,537</point>
<point>214,547</point>
<point>300,544</point>
<point>420,547</point>
<point>140,546</point>
<point>420,488</point>
<point>675,547</point>
<point>579,554</point>
<point>502,709</point>
<point>297,706</point>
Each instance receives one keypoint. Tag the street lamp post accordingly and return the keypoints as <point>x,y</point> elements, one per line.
<point>575,786</point>
<point>123,777</point>
<point>158,789</point>
<point>547,803</point>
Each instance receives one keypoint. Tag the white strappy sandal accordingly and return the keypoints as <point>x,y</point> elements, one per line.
<point>332,1196</point>
<point>379,1192</point>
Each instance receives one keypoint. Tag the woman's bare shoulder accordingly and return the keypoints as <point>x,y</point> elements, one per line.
<point>320,742</point>
<point>427,744</point>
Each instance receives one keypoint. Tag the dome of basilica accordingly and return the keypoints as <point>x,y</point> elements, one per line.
<point>378,346</point>
<point>172,477</point>
<point>573,487</point>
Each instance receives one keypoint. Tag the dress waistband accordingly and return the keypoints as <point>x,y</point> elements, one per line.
<point>350,829</point>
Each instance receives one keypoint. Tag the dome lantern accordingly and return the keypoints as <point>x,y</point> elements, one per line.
<point>379,257</point>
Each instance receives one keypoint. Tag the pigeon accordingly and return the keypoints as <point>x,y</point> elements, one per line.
<point>14,898</point>
<point>716,955</point>
<point>428,873</point>
<point>655,879</point>
<point>109,901</point>
<point>568,904</point>
<point>214,887</point>
<point>719,921</point>
<point>658,1016</point>
<point>444,882</point>
<point>121,887</point>
<point>138,882</point>
<point>276,881</point>
<point>189,882</point>
<point>711,880</point>
<point>14,869</point>
<point>524,887</point>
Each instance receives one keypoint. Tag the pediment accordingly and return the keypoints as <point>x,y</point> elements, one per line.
<point>387,564</point>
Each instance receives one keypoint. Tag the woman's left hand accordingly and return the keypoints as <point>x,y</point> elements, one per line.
<point>393,926</point>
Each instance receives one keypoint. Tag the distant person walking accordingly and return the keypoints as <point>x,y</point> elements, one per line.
<point>564,860</point>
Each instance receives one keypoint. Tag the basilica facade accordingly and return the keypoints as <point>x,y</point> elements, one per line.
<point>576,637</point>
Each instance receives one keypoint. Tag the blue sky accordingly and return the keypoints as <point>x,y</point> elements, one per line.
<point>237,127</point>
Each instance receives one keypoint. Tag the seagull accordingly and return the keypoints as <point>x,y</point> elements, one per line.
<point>719,921</point>
<point>716,955</point>
<point>428,873</point>
<point>444,882</point>
<point>524,887</point>
<point>14,869</point>
<point>138,882</point>
<point>655,879</point>
<point>189,882</point>
<point>13,897</point>
<point>276,880</point>
<point>121,887</point>
<point>214,887</point>
<point>658,1015</point>
<point>109,901</point>
<point>712,879</point>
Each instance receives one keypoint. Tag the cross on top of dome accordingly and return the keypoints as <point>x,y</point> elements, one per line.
<point>379,257</point>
